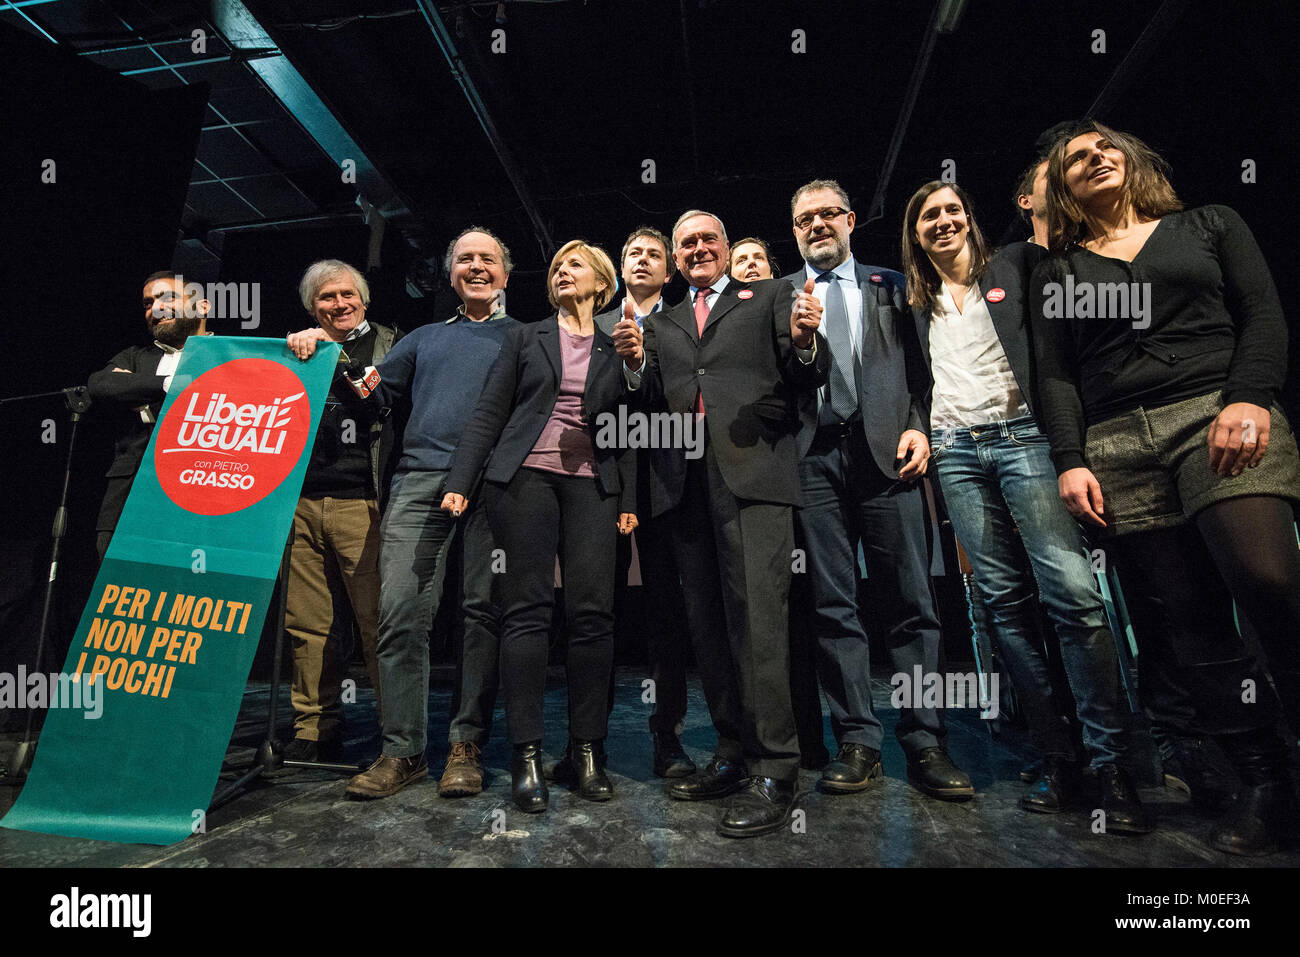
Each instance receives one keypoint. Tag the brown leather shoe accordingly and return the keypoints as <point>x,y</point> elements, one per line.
<point>388,776</point>
<point>463,775</point>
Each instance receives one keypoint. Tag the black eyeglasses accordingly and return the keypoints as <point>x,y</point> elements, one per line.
<point>806,220</point>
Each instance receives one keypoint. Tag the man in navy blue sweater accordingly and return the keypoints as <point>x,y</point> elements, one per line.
<point>435,376</point>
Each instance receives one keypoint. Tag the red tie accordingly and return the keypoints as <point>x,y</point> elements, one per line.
<point>701,317</point>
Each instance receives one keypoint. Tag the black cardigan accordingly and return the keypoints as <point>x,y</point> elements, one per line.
<point>1215,323</point>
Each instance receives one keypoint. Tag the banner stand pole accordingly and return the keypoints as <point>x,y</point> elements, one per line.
<point>269,752</point>
<point>78,402</point>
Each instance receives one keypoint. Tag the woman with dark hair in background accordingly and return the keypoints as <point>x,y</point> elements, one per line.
<point>1161,349</point>
<point>551,488</point>
<point>751,260</point>
<point>995,470</point>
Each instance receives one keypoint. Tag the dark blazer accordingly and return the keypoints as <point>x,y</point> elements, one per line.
<point>895,381</point>
<point>122,393</point>
<point>655,469</point>
<point>752,380</point>
<point>1009,269</point>
<point>518,400</point>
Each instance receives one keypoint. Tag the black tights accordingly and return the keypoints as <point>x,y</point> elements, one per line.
<point>1179,585</point>
<point>1253,541</point>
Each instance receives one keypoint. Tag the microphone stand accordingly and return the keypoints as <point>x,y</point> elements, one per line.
<point>77,400</point>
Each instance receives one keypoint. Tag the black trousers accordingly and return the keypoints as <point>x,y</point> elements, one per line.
<point>664,619</point>
<point>1181,610</point>
<point>478,651</point>
<point>533,517</point>
<point>734,555</point>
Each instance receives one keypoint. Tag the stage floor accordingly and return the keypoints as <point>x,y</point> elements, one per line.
<point>301,818</point>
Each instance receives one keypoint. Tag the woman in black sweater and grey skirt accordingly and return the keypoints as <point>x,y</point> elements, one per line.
<point>1161,349</point>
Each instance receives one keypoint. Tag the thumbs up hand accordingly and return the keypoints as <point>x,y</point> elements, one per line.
<point>627,337</point>
<point>805,316</point>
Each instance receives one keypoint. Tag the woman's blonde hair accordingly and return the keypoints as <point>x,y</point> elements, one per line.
<point>593,256</point>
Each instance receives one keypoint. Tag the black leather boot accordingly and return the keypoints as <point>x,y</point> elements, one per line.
<point>1121,803</point>
<point>1262,817</point>
<point>527,786</point>
<point>588,759</point>
<point>1203,773</point>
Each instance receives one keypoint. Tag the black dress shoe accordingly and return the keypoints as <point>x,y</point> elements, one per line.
<point>1056,789</point>
<point>762,806</point>
<point>1120,802</point>
<point>329,750</point>
<point>1259,822</point>
<point>671,759</point>
<point>931,771</point>
<point>854,769</point>
<point>719,778</point>
<point>588,758</point>
<point>527,786</point>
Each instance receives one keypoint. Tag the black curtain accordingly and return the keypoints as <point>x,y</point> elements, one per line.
<point>95,169</point>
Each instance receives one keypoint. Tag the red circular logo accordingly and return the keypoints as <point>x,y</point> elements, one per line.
<point>745,294</point>
<point>232,436</point>
<point>996,294</point>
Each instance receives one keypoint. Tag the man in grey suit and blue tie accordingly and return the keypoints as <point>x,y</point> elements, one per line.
<point>858,477</point>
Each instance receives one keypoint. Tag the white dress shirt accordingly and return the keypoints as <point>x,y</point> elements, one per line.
<point>973,381</point>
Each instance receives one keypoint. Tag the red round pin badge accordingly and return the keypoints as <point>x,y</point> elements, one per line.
<point>745,294</point>
<point>996,294</point>
<point>877,278</point>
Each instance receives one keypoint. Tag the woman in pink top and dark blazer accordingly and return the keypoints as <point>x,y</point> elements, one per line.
<point>552,485</point>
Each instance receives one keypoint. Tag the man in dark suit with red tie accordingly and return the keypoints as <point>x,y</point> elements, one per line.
<point>740,354</point>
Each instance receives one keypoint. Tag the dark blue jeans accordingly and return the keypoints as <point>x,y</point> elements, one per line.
<point>998,479</point>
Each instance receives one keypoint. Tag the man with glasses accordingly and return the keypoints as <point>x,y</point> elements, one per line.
<point>859,483</point>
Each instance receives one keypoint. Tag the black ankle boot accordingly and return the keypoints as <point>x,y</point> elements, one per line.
<point>1197,764</point>
<point>528,787</point>
<point>1121,803</point>
<point>1262,816</point>
<point>589,770</point>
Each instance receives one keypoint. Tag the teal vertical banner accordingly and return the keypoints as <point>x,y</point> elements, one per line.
<point>163,649</point>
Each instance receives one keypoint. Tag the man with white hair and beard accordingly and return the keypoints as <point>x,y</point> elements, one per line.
<point>859,482</point>
<point>134,384</point>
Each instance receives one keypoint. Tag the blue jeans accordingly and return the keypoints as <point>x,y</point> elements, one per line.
<point>999,478</point>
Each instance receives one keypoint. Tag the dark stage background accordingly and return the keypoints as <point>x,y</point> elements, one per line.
<point>213,162</point>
